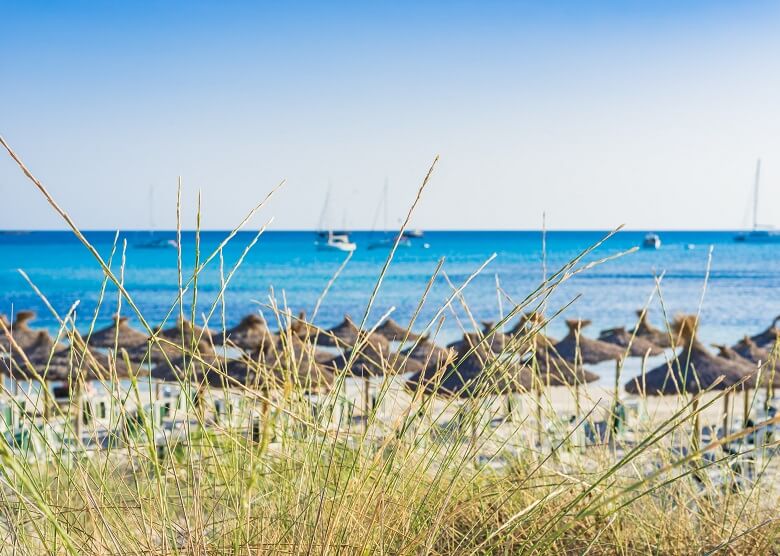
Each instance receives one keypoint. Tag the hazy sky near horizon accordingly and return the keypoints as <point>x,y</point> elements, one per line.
<point>649,114</point>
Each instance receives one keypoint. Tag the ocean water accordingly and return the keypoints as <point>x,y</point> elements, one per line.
<point>741,294</point>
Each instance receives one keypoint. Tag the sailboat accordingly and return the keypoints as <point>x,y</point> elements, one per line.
<point>389,239</point>
<point>759,234</point>
<point>155,242</point>
<point>331,240</point>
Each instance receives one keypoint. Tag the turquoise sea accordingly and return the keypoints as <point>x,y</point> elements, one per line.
<point>741,294</point>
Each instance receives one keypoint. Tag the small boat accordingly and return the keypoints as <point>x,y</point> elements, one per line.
<point>387,240</point>
<point>155,242</point>
<point>759,234</point>
<point>651,241</point>
<point>413,234</point>
<point>387,243</point>
<point>330,239</point>
<point>159,243</point>
<point>335,242</point>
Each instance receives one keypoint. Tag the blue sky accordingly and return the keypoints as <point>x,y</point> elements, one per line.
<point>649,114</point>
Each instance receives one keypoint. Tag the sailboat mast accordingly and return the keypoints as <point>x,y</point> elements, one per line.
<point>755,194</point>
<point>324,212</point>
<point>385,207</point>
<point>151,210</point>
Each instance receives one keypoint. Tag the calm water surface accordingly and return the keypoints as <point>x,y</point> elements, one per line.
<point>741,296</point>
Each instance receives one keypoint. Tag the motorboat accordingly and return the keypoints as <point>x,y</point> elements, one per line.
<point>335,242</point>
<point>158,243</point>
<point>651,241</point>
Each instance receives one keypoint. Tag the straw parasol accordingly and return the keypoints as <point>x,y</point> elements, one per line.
<point>310,376</point>
<point>394,332</point>
<point>693,370</point>
<point>374,359</point>
<point>479,374</point>
<point>639,346</point>
<point>731,354</point>
<point>119,334</point>
<point>429,354</point>
<point>256,372</point>
<point>61,364</point>
<point>42,347</point>
<point>644,329</point>
<point>23,335</point>
<point>589,351</point>
<point>554,370</point>
<point>346,335</point>
<point>293,359</point>
<point>287,345</point>
<point>249,334</point>
<point>527,324</point>
<point>768,337</point>
<point>496,343</point>
<point>209,368</point>
<point>185,330</point>
<point>165,350</point>
<point>301,328</point>
<point>748,349</point>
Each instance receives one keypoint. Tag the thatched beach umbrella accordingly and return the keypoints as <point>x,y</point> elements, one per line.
<point>496,343</point>
<point>479,374</point>
<point>302,328</point>
<point>14,360</point>
<point>394,332</point>
<point>23,335</point>
<point>297,362</point>
<point>640,347</point>
<point>748,349</point>
<point>251,333</point>
<point>255,372</point>
<point>164,350</point>
<point>768,337</point>
<point>344,334</point>
<point>577,348</point>
<point>55,363</point>
<point>288,347</point>
<point>310,376</point>
<point>644,329</point>
<point>374,360</point>
<point>429,354</point>
<point>732,355</point>
<point>554,370</point>
<point>185,331</point>
<point>694,370</point>
<point>527,324</point>
<point>119,334</point>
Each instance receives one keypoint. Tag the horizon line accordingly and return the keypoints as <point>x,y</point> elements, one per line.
<point>366,230</point>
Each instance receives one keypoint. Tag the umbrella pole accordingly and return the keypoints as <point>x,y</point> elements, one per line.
<point>46,402</point>
<point>613,424</point>
<point>265,411</point>
<point>768,396</point>
<point>77,396</point>
<point>726,404</point>
<point>539,415</point>
<point>576,398</point>
<point>366,402</point>
<point>696,431</point>
<point>745,407</point>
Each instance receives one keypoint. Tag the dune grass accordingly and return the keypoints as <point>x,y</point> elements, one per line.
<point>285,472</point>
